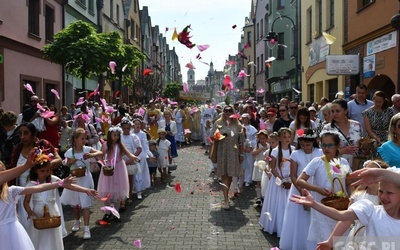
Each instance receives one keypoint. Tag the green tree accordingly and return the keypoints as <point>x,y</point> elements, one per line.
<point>171,90</point>
<point>84,52</point>
<point>127,59</point>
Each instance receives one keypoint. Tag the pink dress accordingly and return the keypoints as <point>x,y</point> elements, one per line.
<point>116,185</point>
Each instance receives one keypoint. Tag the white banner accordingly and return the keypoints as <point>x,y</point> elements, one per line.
<point>382,43</point>
<point>198,96</point>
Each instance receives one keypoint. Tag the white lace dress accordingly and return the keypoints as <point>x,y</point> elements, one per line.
<point>12,233</point>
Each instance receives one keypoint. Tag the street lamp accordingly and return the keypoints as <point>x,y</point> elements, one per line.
<point>272,40</point>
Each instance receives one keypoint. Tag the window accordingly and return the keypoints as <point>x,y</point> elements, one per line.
<point>258,64</point>
<point>117,14</point>
<point>132,29</point>
<point>363,3</point>
<point>249,37</point>
<point>258,31</point>
<point>135,6</point>
<point>261,29</point>
<point>309,25</point>
<point>91,6</point>
<point>292,36</point>
<point>49,23</point>
<point>33,17</point>
<point>312,94</point>
<point>319,17</point>
<point>330,14</point>
<point>49,96</point>
<point>262,61</point>
<point>281,4</point>
<point>281,49</point>
<point>26,95</point>
<point>333,88</point>
<point>111,9</point>
<point>81,2</point>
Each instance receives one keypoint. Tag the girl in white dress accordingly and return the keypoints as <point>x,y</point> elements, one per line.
<point>259,164</point>
<point>320,225</point>
<point>79,156</point>
<point>51,238</point>
<point>12,233</point>
<point>370,193</point>
<point>271,218</point>
<point>142,178</point>
<point>273,141</point>
<point>297,219</point>
<point>133,145</point>
<point>164,149</point>
<point>379,220</point>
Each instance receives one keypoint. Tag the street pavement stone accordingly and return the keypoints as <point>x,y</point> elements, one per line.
<point>166,219</point>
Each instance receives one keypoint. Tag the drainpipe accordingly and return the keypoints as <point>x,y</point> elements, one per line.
<point>395,22</point>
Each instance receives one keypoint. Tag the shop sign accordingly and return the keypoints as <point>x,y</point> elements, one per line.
<point>382,43</point>
<point>198,96</point>
<point>342,65</point>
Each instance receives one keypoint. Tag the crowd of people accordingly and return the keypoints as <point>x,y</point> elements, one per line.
<point>95,150</point>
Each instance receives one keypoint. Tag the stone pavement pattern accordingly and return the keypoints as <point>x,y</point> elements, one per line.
<point>166,219</point>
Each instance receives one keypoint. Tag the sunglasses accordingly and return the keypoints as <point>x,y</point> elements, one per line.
<point>34,101</point>
<point>293,107</point>
<point>228,111</point>
<point>282,110</point>
<point>327,146</point>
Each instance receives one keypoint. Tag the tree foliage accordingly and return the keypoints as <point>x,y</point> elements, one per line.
<point>171,90</point>
<point>86,53</point>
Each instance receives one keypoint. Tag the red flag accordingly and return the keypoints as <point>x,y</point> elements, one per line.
<point>91,95</point>
<point>116,93</point>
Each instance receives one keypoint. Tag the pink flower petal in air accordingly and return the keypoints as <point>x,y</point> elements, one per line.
<point>47,114</point>
<point>185,87</point>
<point>40,107</point>
<point>203,47</point>
<point>29,88</point>
<point>55,93</point>
<point>105,199</point>
<point>80,101</point>
<point>112,66</point>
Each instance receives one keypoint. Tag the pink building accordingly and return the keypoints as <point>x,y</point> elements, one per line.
<point>25,27</point>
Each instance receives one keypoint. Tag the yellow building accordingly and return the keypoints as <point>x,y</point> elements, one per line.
<point>319,16</point>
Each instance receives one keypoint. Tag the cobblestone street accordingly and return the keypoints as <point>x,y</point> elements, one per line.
<point>192,219</point>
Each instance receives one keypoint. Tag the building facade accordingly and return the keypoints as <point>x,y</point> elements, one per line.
<point>23,33</point>
<point>321,16</point>
<point>283,43</point>
<point>368,32</point>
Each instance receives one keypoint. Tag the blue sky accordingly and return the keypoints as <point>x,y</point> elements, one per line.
<point>211,22</point>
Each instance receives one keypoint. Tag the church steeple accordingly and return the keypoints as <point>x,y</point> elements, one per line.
<point>191,80</point>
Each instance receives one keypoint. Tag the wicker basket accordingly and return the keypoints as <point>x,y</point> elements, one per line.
<point>172,166</point>
<point>334,201</point>
<point>108,170</point>
<point>78,172</point>
<point>47,221</point>
<point>286,185</point>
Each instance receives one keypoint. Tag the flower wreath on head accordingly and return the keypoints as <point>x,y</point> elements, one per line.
<point>126,120</point>
<point>365,164</point>
<point>115,129</point>
<point>300,134</point>
<point>41,157</point>
<point>333,132</point>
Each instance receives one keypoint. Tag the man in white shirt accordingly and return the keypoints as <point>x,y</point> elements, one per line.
<point>359,104</point>
<point>396,103</point>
